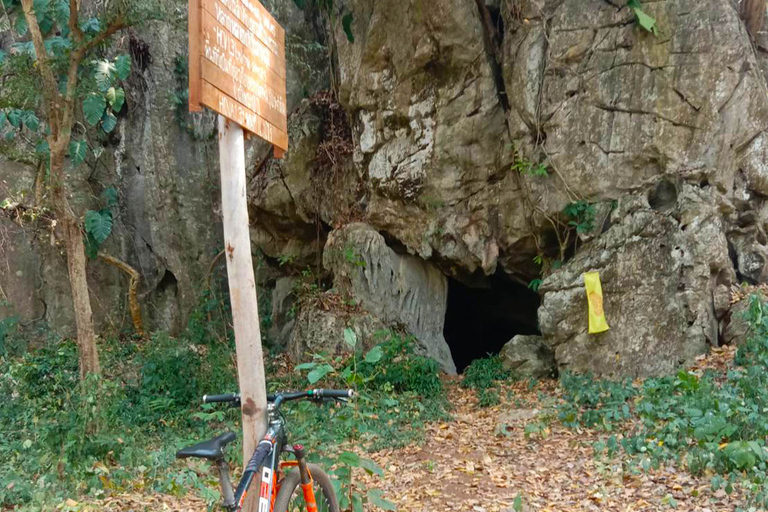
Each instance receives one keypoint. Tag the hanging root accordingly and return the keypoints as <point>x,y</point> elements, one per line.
<point>133,290</point>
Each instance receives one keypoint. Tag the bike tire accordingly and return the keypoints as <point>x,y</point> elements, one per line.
<point>290,494</point>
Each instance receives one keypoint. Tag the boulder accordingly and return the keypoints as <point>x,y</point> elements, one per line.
<point>736,326</point>
<point>659,272</point>
<point>320,331</point>
<point>283,311</point>
<point>397,288</point>
<point>529,356</point>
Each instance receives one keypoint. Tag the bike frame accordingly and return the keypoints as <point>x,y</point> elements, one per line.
<point>272,471</point>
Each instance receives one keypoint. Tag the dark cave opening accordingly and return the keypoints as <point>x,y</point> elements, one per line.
<point>481,319</point>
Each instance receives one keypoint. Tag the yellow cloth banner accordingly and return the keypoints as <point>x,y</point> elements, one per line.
<point>597,322</point>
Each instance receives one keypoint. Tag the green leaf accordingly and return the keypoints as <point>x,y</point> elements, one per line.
<point>301,4</point>
<point>123,66</point>
<point>93,108</point>
<point>110,196</point>
<point>371,467</point>
<point>91,247</point>
<point>61,13</point>
<point>30,120</point>
<point>349,458</point>
<point>40,8</point>
<point>57,44</point>
<point>305,366</point>
<point>116,98</point>
<point>350,338</point>
<point>357,503</point>
<point>103,74</point>
<point>375,497</point>
<point>20,25</point>
<point>645,21</point>
<point>319,372</point>
<point>42,148</point>
<point>517,504</point>
<point>78,150</point>
<point>108,122</point>
<point>14,117</point>
<point>91,26</point>
<point>98,224</point>
<point>346,23</point>
<point>374,355</point>
<point>2,56</point>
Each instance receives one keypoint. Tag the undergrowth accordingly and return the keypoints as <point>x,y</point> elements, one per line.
<point>398,390</point>
<point>484,375</point>
<point>712,423</point>
<point>63,439</point>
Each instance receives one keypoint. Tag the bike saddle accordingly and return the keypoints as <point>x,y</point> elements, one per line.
<point>211,449</point>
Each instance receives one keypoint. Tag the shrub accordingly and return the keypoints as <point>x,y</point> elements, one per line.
<point>485,373</point>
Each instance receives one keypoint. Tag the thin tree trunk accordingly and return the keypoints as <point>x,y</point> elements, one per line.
<point>39,183</point>
<point>753,14</point>
<point>133,290</point>
<point>76,263</point>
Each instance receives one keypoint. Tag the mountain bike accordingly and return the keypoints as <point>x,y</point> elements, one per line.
<point>305,488</point>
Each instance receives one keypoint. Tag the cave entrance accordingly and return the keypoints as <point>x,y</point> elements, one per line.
<point>481,319</point>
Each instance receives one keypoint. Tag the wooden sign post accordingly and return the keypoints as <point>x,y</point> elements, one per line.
<point>237,68</point>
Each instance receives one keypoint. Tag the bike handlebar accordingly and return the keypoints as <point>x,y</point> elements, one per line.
<point>229,397</point>
<point>278,398</point>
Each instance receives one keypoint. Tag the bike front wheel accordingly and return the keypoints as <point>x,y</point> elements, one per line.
<point>290,498</point>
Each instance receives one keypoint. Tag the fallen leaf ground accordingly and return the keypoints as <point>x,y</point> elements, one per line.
<point>482,460</point>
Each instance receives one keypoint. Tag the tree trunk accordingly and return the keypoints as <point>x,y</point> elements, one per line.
<point>753,14</point>
<point>76,262</point>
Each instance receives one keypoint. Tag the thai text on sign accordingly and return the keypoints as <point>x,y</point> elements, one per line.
<point>237,66</point>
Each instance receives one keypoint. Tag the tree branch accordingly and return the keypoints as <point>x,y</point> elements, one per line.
<point>133,288</point>
<point>74,63</point>
<point>115,26</point>
<point>74,21</point>
<point>50,86</point>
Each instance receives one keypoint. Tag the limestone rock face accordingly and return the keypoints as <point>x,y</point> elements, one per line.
<point>658,272</point>
<point>163,162</point>
<point>529,356</point>
<point>398,289</point>
<point>614,106</point>
<point>431,139</point>
<point>283,311</point>
<point>736,327</point>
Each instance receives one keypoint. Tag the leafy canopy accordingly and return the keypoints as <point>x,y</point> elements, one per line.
<point>70,39</point>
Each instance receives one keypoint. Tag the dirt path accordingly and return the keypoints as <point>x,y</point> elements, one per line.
<point>482,461</point>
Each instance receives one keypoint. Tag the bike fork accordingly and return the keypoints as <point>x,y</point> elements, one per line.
<point>307,487</point>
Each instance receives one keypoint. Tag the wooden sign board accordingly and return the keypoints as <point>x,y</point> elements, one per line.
<point>237,66</point>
